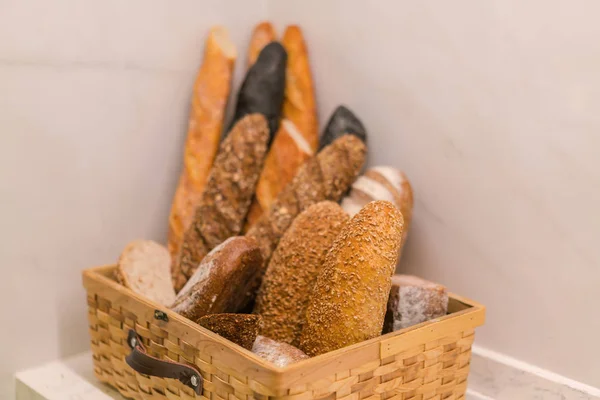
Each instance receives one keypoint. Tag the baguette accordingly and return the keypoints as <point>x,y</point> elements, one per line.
<point>325,176</point>
<point>263,34</point>
<point>262,89</point>
<point>293,271</point>
<point>221,281</point>
<point>279,353</point>
<point>226,198</point>
<point>349,301</point>
<point>144,268</point>
<point>414,300</point>
<point>209,101</point>
<point>298,137</point>
<point>241,329</point>
<point>343,121</point>
<point>382,183</point>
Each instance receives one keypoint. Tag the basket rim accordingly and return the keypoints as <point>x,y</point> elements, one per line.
<point>465,310</point>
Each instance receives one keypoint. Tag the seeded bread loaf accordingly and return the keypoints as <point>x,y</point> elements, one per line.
<point>209,101</point>
<point>414,300</point>
<point>293,271</point>
<point>349,301</point>
<point>144,267</point>
<point>325,176</point>
<point>221,281</point>
<point>279,353</point>
<point>227,196</point>
<point>241,329</point>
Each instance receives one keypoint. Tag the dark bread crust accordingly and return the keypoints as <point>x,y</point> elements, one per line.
<point>227,195</point>
<point>293,271</point>
<point>221,281</point>
<point>349,300</point>
<point>241,329</point>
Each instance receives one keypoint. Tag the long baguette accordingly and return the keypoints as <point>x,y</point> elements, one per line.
<point>263,34</point>
<point>226,198</point>
<point>209,101</point>
<point>325,176</point>
<point>298,137</point>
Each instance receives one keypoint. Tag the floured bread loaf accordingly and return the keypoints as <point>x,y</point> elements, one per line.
<point>220,284</point>
<point>279,353</point>
<point>348,303</point>
<point>241,329</point>
<point>414,300</point>
<point>294,268</point>
<point>145,268</point>
<point>382,183</point>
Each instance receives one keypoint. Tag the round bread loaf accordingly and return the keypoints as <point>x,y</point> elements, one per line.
<point>279,353</point>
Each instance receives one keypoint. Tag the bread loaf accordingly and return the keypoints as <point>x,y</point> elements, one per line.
<point>221,281</point>
<point>262,89</point>
<point>325,176</point>
<point>263,34</point>
<point>298,137</point>
<point>241,329</point>
<point>279,353</point>
<point>209,101</point>
<point>348,303</point>
<point>382,183</point>
<point>342,122</point>
<point>293,271</point>
<point>414,300</point>
<point>226,198</point>
<point>144,267</point>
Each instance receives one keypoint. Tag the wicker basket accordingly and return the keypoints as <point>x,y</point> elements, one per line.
<point>426,361</point>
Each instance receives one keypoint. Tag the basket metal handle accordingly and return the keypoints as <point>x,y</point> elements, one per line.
<point>144,363</point>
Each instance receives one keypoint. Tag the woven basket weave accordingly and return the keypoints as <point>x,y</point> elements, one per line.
<point>426,361</point>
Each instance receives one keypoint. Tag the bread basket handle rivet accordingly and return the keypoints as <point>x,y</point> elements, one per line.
<point>161,315</point>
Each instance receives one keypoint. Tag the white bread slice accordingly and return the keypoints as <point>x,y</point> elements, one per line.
<point>145,268</point>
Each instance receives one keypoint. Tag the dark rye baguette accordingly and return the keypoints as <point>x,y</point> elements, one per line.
<point>241,329</point>
<point>325,176</point>
<point>221,281</point>
<point>263,87</point>
<point>349,300</point>
<point>293,270</point>
<point>227,195</point>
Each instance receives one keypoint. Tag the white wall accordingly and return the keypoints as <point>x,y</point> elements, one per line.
<point>93,111</point>
<point>492,108</point>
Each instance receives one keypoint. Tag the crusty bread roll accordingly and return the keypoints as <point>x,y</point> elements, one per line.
<point>221,281</point>
<point>279,353</point>
<point>224,203</point>
<point>263,34</point>
<point>325,176</point>
<point>209,101</point>
<point>298,136</point>
<point>294,268</point>
<point>342,122</point>
<point>382,183</point>
<point>144,267</point>
<point>241,329</point>
<point>414,300</point>
<point>348,303</point>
